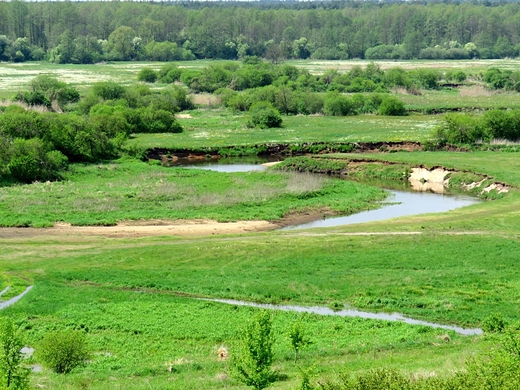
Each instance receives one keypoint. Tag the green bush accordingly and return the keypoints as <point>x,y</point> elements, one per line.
<point>62,351</point>
<point>169,73</point>
<point>459,129</point>
<point>158,121</point>
<point>252,366</point>
<point>32,160</point>
<point>147,75</point>
<point>392,106</point>
<point>264,115</point>
<point>12,374</point>
<point>338,105</point>
<point>108,90</point>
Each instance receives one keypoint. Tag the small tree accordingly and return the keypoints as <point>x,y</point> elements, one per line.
<point>298,338</point>
<point>64,350</point>
<point>12,374</point>
<point>252,366</point>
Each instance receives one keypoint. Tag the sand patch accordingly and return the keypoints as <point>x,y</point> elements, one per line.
<point>145,228</point>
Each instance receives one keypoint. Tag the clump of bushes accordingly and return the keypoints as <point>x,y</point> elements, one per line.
<point>62,351</point>
<point>392,106</point>
<point>147,75</point>
<point>264,115</point>
<point>468,129</point>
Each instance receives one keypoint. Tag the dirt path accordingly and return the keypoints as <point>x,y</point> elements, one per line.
<point>145,228</point>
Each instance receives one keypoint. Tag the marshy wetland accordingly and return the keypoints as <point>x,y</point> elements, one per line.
<point>121,249</point>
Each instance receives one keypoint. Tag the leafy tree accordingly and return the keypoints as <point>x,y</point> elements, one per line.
<point>62,351</point>
<point>12,374</point>
<point>255,358</point>
<point>121,45</point>
<point>297,338</point>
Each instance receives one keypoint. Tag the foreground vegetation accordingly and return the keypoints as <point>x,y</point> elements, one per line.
<point>135,299</point>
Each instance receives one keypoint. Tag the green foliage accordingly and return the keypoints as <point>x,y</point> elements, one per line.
<point>494,323</point>
<point>459,129</point>
<point>467,129</point>
<point>392,106</point>
<point>108,90</point>
<point>264,115</point>
<point>169,73</point>
<point>253,364</point>
<point>298,338</point>
<point>338,105</point>
<point>147,75</point>
<point>32,160</point>
<point>12,373</point>
<point>62,351</point>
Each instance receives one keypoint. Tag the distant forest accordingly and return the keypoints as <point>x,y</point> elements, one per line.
<point>89,32</point>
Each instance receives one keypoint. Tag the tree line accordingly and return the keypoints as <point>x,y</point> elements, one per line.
<point>87,32</point>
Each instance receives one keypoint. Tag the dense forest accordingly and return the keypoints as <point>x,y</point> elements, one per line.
<point>88,32</point>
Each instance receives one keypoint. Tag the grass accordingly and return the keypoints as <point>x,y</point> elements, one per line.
<point>223,128</point>
<point>104,194</point>
<point>136,336</point>
<point>132,296</point>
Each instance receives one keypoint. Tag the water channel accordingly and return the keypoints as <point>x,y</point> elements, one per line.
<point>401,202</point>
<point>325,311</point>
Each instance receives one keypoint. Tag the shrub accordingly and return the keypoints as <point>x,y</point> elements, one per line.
<point>32,160</point>
<point>147,75</point>
<point>62,351</point>
<point>253,364</point>
<point>108,90</point>
<point>158,121</point>
<point>495,323</point>
<point>392,106</point>
<point>459,129</point>
<point>169,73</point>
<point>264,115</point>
<point>12,374</point>
<point>338,105</point>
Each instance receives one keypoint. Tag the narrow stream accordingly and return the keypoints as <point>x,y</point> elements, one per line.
<point>15,299</point>
<point>325,311</point>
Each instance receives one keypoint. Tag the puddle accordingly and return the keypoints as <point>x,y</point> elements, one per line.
<point>325,311</point>
<point>15,299</point>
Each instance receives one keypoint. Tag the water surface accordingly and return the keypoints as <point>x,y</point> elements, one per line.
<point>325,311</point>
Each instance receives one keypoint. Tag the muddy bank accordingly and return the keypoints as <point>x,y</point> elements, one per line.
<point>209,153</point>
<point>435,179</point>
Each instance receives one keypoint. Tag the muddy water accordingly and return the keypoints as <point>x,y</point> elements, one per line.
<point>409,201</point>
<point>325,311</point>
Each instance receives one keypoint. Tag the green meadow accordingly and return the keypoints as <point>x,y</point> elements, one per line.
<point>137,299</point>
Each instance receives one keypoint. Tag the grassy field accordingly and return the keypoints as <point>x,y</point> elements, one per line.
<point>129,295</point>
<point>135,298</point>
<point>105,194</point>
<point>222,128</point>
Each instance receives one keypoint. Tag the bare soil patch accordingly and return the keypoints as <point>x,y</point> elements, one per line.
<point>145,228</point>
